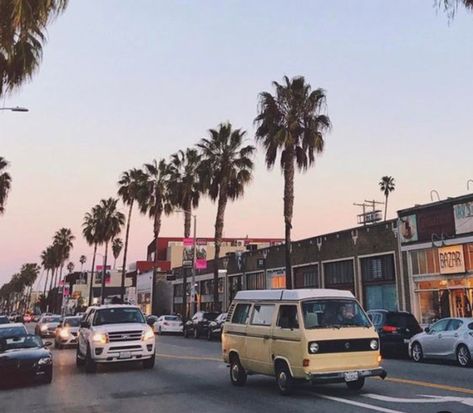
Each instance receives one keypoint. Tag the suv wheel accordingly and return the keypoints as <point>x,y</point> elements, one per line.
<point>196,332</point>
<point>357,384</point>
<point>284,379</point>
<point>237,372</point>
<point>463,356</point>
<point>48,378</point>
<point>90,364</point>
<point>149,363</point>
<point>417,354</point>
<point>79,361</point>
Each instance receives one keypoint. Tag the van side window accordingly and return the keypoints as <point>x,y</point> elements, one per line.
<point>263,315</point>
<point>287,317</point>
<point>240,316</point>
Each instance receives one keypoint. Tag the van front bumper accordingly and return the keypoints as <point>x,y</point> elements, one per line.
<point>340,376</point>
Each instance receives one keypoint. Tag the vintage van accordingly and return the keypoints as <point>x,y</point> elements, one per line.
<point>306,335</point>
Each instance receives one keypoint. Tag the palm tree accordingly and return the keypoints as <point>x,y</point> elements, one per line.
<point>48,262</point>
<point>130,185</point>
<point>154,200</point>
<point>386,185</point>
<point>63,239</point>
<point>450,6</point>
<point>225,169</point>
<point>91,233</point>
<point>110,222</point>
<point>5,184</point>
<point>22,36</point>
<point>117,245</point>
<point>70,267</point>
<point>291,123</point>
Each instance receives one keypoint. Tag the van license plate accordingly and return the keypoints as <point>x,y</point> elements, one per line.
<point>351,376</point>
<point>124,355</point>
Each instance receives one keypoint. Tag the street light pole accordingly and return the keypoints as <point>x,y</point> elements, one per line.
<point>16,109</point>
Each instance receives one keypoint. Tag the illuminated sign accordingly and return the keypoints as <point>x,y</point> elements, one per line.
<point>451,260</point>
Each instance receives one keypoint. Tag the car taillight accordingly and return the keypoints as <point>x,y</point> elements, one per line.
<point>390,329</point>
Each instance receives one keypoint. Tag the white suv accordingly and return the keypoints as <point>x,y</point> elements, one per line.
<point>114,333</point>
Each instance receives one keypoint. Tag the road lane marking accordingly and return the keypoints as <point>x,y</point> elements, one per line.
<point>429,399</point>
<point>431,385</point>
<point>173,356</point>
<point>358,404</point>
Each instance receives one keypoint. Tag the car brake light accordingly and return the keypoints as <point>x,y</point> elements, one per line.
<point>390,329</point>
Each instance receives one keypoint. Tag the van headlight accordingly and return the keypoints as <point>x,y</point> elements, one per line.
<point>374,344</point>
<point>64,333</point>
<point>148,334</point>
<point>313,347</point>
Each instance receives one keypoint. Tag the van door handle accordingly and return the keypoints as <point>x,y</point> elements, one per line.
<point>265,337</point>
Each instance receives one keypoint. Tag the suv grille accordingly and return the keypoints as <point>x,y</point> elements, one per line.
<point>125,336</point>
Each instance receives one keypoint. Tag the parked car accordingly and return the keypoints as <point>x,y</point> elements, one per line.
<point>47,325</point>
<point>24,356</point>
<point>199,324</point>
<point>4,319</point>
<point>395,329</point>
<point>448,339</point>
<point>168,324</point>
<point>216,326</point>
<point>13,330</point>
<point>114,333</point>
<point>67,332</point>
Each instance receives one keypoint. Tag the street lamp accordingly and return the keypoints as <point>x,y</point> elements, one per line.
<point>16,109</point>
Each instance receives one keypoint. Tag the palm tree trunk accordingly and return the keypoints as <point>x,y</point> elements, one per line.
<point>288,212</point>
<point>46,283</point>
<point>222,203</point>
<point>91,287</point>
<point>122,290</point>
<point>187,219</point>
<point>386,207</point>
<point>157,229</point>
<point>102,294</point>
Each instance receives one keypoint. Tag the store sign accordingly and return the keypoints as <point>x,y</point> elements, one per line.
<point>188,252</point>
<point>201,255</point>
<point>463,217</point>
<point>408,228</point>
<point>451,260</point>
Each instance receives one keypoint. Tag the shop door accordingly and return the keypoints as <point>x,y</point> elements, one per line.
<point>460,302</point>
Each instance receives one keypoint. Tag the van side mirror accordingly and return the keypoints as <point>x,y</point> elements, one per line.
<point>84,324</point>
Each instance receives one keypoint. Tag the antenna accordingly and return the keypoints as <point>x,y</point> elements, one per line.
<point>470,181</point>
<point>373,204</point>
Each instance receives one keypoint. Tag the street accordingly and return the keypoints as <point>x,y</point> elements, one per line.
<point>189,376</point>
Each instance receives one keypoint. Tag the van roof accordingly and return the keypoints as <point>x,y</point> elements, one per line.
<point>299,294</point>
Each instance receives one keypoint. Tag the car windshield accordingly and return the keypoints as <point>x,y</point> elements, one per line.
<point>51,319</point>
<point>18,342</point>
<point>72,322</point>
<point>171,318</point>
<point>13,331</point>
<point>118,316</point>
<point>333,313</point>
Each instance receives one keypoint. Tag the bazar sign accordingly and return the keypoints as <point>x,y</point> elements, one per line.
<point>451,259</point>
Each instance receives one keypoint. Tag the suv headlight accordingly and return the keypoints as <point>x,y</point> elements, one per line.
<point>44,361</point>
<point>44,327</point>
<point>100,338</point>
<point>64,333</point>
<point>374,344</point>
<point>313,347</point>
<point>148,334</point>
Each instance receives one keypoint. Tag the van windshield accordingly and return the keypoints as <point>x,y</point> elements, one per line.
<point>333,313</point>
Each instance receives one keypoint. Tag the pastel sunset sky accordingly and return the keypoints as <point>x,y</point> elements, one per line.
<point>123,82</point>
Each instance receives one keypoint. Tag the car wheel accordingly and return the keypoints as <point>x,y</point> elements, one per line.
<point>237,372</point>
<point>160,331</point>
<point>284,379</point>
<point>186,333</point>
<point>90,364</point>
<point>209,335</point>
<point>357,384</point>
<point>196,332</point>
<point>417,354</point>
<point>463,356</point>
<point>79,361</point>
<point>149,363</point>
<point>48,378</point>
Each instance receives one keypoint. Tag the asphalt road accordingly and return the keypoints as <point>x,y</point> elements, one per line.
<point>189,376</point>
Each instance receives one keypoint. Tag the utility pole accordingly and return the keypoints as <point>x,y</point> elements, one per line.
<point>363,205</point>
<point>373,204</point>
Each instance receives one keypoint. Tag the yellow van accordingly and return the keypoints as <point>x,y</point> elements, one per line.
<point>314,335</point>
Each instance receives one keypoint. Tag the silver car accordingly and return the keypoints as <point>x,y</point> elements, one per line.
<point>448,339</point>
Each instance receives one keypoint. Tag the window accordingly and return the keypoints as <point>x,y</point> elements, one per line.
<point>439,326</point>
<point>379,268</point>
<point>118,316</point>
<point>454,325</point>
<point>338,273</point>
<point>240,316</point>
<point>306,277</point>
<point>263,315</point>
<point>425,261</point>
<point>255,281</point>
<point>287,317</point>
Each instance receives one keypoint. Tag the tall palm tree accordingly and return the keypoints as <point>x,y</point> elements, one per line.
<point>110,222</point>
<point>130,185</point>
<point>22,36</point>
<point>5,184</point>
<point>154,201</point>
<point>64,241</point>
<point>450,7</point>
<point>70,267</point>
<point>386,185</point>
<point>48,262</point>
<point>291,123</point>
<point>91,233</point>
<point>225,169</point>
<point>117,245</point>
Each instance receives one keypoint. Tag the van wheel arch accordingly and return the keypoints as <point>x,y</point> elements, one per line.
<point>282,361</point>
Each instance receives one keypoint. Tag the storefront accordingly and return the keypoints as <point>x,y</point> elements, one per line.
<point>306,276</point>
<point>340,275</point>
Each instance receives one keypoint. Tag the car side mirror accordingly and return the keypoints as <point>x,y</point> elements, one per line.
<point>84,324</point>
<point>427,330</point>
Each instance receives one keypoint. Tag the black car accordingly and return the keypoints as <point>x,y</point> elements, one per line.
<point>24,357</point>
<point>216,326</point>
<point>199,324</point>
<point>4,319</point>
<point>395,329</point>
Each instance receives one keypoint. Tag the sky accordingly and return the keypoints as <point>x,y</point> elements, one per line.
<point>123,82</point>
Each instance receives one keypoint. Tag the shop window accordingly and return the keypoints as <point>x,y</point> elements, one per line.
<point>339,273</point>
<point>255,281</point>
<point>379,268</point>
<point>306,277</point>
<point>381,296</point>
<point>263,315</point>
<point>425,261</point>
<point>278,281</point>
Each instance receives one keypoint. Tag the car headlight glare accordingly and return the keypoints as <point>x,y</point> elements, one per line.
<point>44,327</point>
<point>148,334</point>
<point>313,347</point>
<point>374,344</point>
<point>64,333</point>
<point>100,338</point>
<point>44,361</point>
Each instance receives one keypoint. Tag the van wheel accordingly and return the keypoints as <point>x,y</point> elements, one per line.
<point>237,372</point>
<point>463,356</point>
<point>284,379</point>
<point>90,364</point>
<point>356,385</point>
<point>417,354</point>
